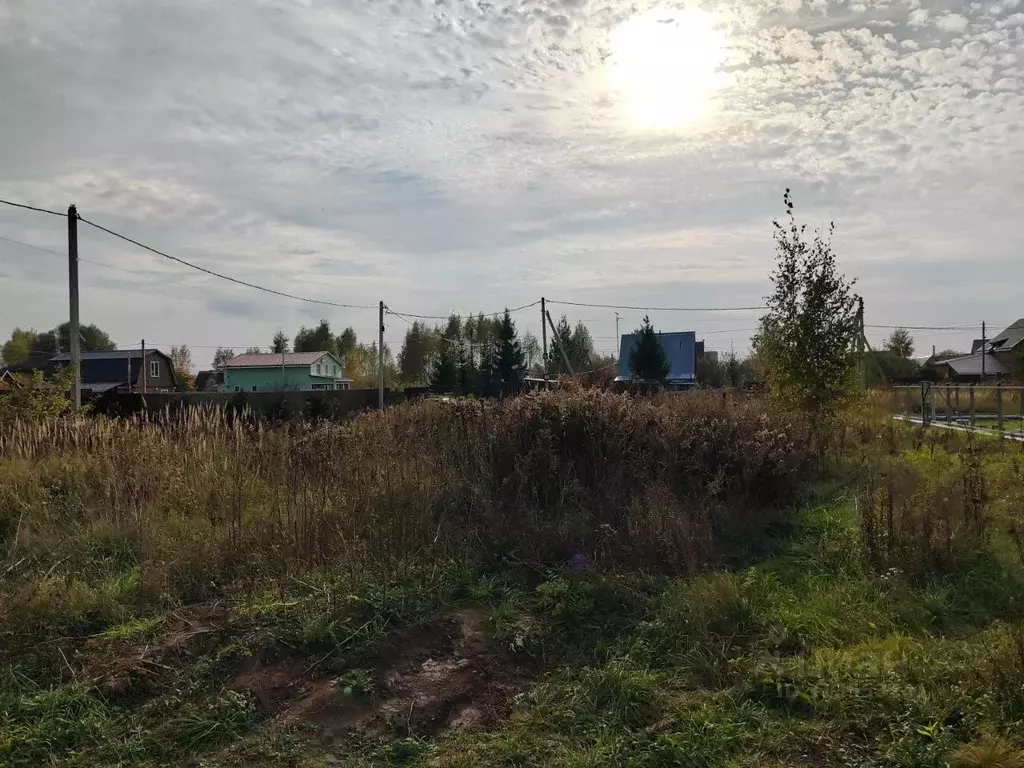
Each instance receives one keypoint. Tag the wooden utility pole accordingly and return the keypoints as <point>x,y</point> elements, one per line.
<point>380,361</point>
<point>544,336</point>
<point>983,340</point>
<point>142,364</point>
<point>861,342</point>
<point>73,332</point>
<point>561,345</point>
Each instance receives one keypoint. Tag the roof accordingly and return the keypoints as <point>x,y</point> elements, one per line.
<point>1009,338</point>
<point>113,354</point>
<point>680,348</point>
<point>103,386</point>
<point>275,359</point>
<point>970,365</point>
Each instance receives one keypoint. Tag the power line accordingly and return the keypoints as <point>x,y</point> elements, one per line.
<point>929,327</point>
<point>656,309</point>
<point>33,208</point>
<point>220,275</point>
<point>64,256</point>
<point>471,314</point>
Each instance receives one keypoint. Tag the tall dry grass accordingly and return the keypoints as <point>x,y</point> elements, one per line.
<point>205,500</point>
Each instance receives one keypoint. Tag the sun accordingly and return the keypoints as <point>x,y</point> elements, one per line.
<point>665,64</point>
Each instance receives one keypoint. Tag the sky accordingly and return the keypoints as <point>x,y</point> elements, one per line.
<point>443,155</point>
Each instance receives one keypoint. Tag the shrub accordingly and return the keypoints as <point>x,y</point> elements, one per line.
<point>203,500</point>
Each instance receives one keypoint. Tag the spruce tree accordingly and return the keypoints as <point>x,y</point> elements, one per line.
<point>509,360</point>
<point>444,374</point>
<point>647,359</point>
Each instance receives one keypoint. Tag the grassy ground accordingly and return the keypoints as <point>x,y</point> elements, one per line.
<point>877,624</point>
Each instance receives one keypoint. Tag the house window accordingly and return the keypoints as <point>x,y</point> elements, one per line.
<point>154,369</point>
<point>238,389</point>
<point>253,387</point>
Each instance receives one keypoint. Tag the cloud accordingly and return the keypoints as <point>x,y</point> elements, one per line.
<point>951,22</point>
<point>473,155</point>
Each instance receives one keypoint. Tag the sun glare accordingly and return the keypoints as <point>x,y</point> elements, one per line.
<point>665,65</point>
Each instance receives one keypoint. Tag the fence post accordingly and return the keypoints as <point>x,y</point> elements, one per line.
<point>895,401</point>
<point>999,406</point>
<point>949,405</point>
<point>957,396</point>
<point>971,390</point>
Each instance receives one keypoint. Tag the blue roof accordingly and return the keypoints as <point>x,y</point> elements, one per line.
<point>680,348</point>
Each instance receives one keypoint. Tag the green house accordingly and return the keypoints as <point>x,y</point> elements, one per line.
<point>286,372</point>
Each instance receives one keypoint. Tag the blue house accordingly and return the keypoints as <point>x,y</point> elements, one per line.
<point>680,348</point>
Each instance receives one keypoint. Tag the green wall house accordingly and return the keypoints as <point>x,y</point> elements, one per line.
<point>288,372</point>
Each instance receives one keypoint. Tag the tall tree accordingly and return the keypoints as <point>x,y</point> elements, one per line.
<point>181,361</point>
<point>181,358</point>
<point>507,362</point>
<point>254,350</point>
<point>444,374</point>
<point>807,341</point>
<point>361,366</point>
<point>417,349</point>
<point>466,370</point>
<point>532,351</point>
<point>317,339</point>
<point>453,328</point>
<point>91,338</point>
<point>280,342</point>
<point>582,345</point>
<point>577,343</point>
<point>559,343</point>
<point>647,359</point>
<point>19,346</point>
<point>346,342</point>
<point>900,343</point>
<point>222,356</point>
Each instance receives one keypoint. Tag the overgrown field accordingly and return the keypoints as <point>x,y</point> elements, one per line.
<point>574,579</point>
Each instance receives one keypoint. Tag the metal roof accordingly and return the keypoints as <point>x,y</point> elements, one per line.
<point>103,386</point>
<point>1009,338</point>
<point>970,365</point>
<point>275,359</point>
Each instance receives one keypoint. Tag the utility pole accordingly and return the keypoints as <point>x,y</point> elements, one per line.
<point>561,345</point>
<point>76,354</point>
<point>861,341</point>
<point>983,340</point>
<point>544,336</point>
<point>145,378</point>
<point>380,361</point>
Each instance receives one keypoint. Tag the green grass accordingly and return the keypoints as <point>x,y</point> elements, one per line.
<point>807,658</point>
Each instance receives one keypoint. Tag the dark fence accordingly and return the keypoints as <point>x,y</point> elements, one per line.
<point>278,405</point>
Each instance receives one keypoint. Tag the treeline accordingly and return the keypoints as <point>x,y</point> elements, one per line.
<point>481,354</point>
<point>25,344</point>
